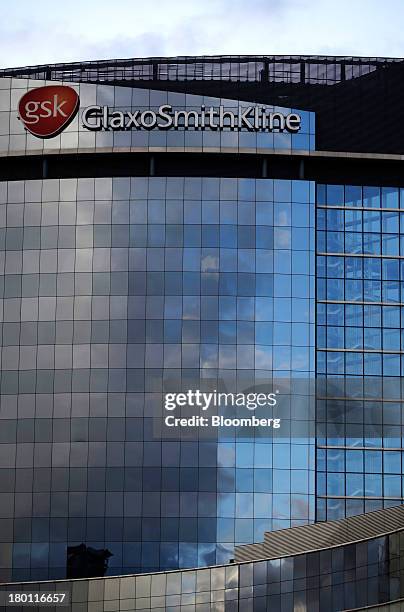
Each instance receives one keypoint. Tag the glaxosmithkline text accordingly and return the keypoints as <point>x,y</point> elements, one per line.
<point>251,118</point>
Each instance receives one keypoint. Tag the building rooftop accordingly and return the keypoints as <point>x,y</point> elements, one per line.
<point>357,100</point>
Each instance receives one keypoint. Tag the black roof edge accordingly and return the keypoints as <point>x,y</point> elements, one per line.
<point>190,59</point>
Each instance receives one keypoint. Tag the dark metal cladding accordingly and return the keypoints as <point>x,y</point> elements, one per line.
<point>358,100</point>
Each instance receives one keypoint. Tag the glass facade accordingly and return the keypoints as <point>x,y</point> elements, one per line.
<point>109,286</point>
<point>346,577</point>
<point>360,272</point>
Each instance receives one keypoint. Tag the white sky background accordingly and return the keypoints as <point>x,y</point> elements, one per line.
<point>49,31</point>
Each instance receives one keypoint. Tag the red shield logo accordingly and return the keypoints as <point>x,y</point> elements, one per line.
<point>46,111</point>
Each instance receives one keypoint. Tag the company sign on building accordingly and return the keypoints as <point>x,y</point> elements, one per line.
<point>47,111</point>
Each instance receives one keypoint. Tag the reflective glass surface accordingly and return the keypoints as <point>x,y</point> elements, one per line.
<point>107,286</point>
<point>344,578</point>
<point>360,303</point>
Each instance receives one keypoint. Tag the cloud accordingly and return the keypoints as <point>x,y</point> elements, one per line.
<point>189,28</point>
<point>27,46</point>
<point>101,29</point>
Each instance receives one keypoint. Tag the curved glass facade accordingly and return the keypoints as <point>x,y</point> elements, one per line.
<point>112,287</point>
<point>108,287</point>
<point>344,578</point>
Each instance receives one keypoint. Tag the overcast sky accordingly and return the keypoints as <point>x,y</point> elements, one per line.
<point>48,31</point>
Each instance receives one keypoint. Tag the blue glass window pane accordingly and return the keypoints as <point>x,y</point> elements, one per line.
<point>371,244</point>
<point>391,316</point>
<point>335,242</point>
<point>371,197</point>
<point>353,195</point>
<point>335,314</point>
<point>372,291</point>
<point>390,222</point>
<point>390,197</point>
<point>335,337</point>
<point>391,291</point>
<point>335,289</point>
<point>392,462</point>
<point>392,486</point>
<point>372,316</point>
<point>391,365</point>
<point>390,244</point>
<point>372,338</point>
<point>228,236</point>
<point>372,364</point>
<point>353,337</point>
<point>371,221</point>
<point>335,195</point>
<point>353,242</point>
<point>335,220</point>
<point>264,238</point>
<point>354,485</point>
<point>335,485</point>
<point>353,290</point>
<point>353,220</point>
<point>353,267</point>
<point>353,315</point>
